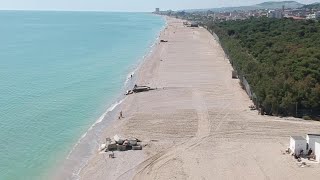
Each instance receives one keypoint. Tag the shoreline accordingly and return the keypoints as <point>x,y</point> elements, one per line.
<point>107,118</point>
<point>140,73</point>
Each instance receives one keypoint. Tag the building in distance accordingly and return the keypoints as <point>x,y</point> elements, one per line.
<point>275,14</point>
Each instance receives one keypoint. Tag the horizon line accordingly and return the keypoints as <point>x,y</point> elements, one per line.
<point>128,11</point>
<point>63,10</point>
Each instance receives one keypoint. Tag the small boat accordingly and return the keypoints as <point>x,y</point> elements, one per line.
<point>140,88</point>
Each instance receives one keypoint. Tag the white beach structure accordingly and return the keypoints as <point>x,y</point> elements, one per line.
<point>311,139</point>
<point>298,143</point>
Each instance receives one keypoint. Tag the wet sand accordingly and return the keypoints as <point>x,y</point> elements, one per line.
<point>197,124</point>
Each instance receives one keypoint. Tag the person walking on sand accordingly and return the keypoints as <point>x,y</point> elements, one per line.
<point>121,114</point>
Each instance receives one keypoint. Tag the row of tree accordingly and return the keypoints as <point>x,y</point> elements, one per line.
<point>280,58</point>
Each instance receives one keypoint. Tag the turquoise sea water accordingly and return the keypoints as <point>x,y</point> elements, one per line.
<point>59,72</point>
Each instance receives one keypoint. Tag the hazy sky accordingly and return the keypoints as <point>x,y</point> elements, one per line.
<point>124,5</point>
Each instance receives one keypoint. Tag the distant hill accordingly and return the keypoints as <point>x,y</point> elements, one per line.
<point>264,5</point>
<point>278,5</point>
<point>312,6</point>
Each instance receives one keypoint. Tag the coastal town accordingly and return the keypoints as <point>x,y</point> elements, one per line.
<point>300,13</point>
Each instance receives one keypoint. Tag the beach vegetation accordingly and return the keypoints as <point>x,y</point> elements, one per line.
<point>280,58</point>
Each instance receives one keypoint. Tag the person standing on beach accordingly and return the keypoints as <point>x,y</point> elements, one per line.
<point>121,114</point>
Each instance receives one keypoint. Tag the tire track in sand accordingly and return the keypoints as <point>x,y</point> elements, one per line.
<point>159,160</point>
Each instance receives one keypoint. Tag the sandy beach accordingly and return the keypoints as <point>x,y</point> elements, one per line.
<point>197,124</point>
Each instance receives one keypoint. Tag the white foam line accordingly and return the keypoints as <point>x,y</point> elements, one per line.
<point>151,49</point>
<point>76,175</point>
<point>111,108</point>
<point>129,76</point>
